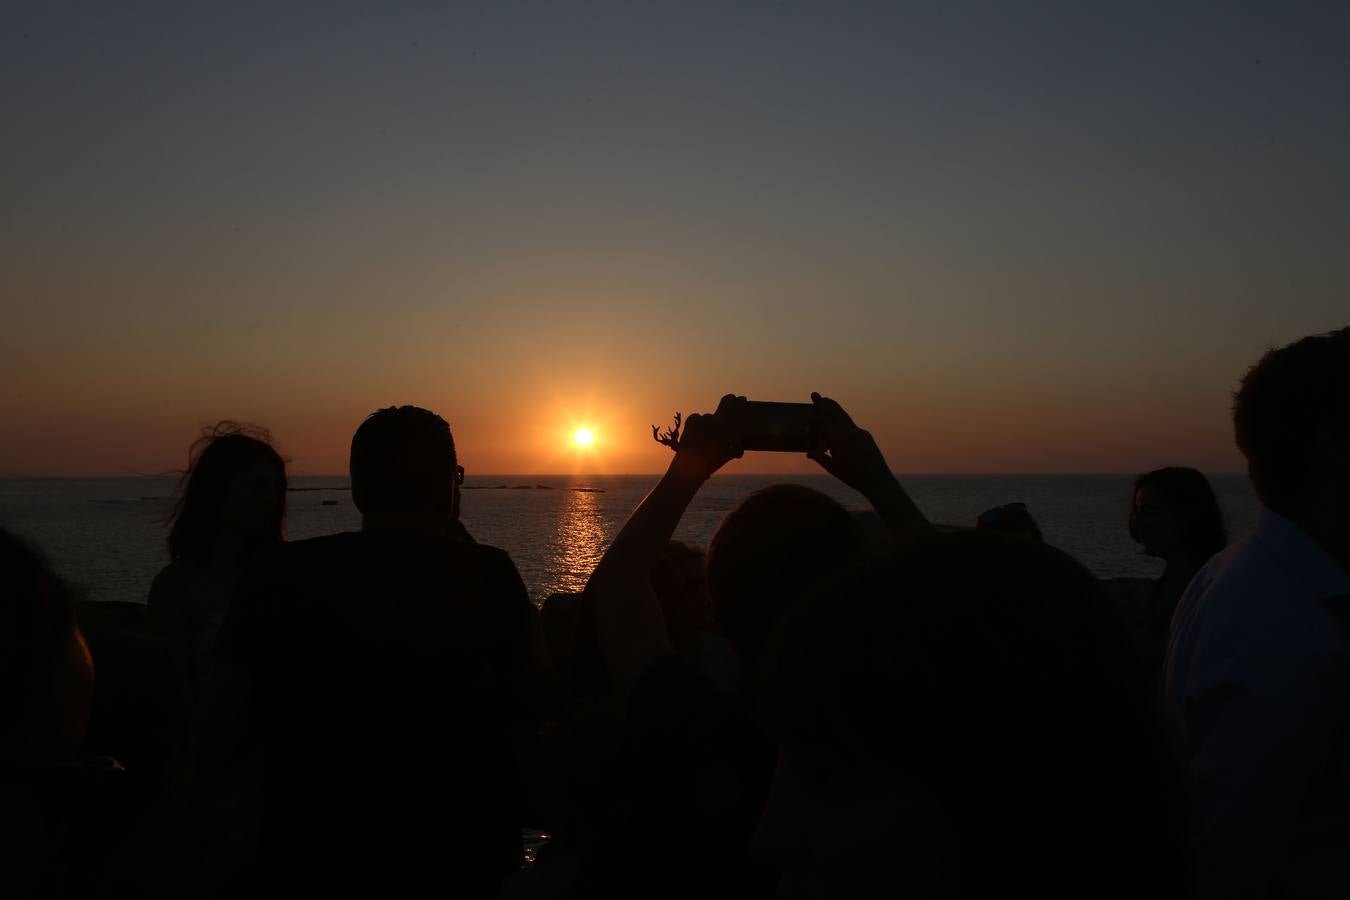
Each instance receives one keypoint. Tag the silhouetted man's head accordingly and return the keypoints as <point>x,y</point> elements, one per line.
<point>404,470</point>
<point>1292,421</point>
<point>766,551</point>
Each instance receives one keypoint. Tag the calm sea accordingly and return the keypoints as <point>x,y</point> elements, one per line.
<point>107,534</point>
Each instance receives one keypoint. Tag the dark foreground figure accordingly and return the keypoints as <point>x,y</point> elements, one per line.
<point>967,719</point>
<point>1258,667</point>
<point>388,678</point>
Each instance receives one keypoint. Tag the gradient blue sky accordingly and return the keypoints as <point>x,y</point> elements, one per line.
<point>1009,237</point>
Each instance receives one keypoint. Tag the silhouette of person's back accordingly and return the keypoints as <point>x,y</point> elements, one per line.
<point>231,498</point>
<point>49,803</point>
<point>963,719</point>
<point>1257,670</point>
<point>392,684</point>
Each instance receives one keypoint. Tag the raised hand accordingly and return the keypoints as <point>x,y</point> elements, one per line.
<point>850,454</point>
<point>846,451</point>
<point>626,612</point>
<point>709,442</point>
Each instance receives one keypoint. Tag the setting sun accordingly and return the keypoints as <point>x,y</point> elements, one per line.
<point>583,437</point>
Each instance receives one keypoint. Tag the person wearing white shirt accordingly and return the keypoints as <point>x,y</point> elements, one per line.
<point>1258,662</point>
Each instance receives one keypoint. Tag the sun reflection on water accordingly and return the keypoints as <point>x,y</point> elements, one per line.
<point>580,539</point>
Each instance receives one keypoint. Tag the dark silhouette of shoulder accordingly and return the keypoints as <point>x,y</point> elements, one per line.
<point>392,683</point>
<point>411,594</point>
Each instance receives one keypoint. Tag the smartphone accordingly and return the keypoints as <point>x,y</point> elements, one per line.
<point>786,427</point>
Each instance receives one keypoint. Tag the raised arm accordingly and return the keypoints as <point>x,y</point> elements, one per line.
<point>850,454</point>
<point>626,611</point>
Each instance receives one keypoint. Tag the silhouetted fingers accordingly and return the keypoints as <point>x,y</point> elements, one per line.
<point>731,414</point>
<point>822,459</point>
<point>728,403</point>
<point>833,412</point>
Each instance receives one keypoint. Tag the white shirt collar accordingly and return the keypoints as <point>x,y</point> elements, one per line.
<point>1313,565</point>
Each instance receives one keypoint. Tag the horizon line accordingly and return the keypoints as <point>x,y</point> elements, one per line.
<point>899,475</point>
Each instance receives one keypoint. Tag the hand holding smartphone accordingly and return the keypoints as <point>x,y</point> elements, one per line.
<point>755,425</point>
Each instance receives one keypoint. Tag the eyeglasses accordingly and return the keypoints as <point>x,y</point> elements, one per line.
<point>459,474</point>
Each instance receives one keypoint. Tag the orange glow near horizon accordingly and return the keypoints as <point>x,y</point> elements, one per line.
<point>940,429</point>
<point>580,431</point>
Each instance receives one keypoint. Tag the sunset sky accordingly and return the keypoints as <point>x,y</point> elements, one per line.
<point>1007,237</point>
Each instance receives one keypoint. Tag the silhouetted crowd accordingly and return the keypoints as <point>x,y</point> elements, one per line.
<point>810,707</point>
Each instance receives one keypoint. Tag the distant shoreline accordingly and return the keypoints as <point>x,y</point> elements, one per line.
<point>470,487</point>
<point>496,475</point>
